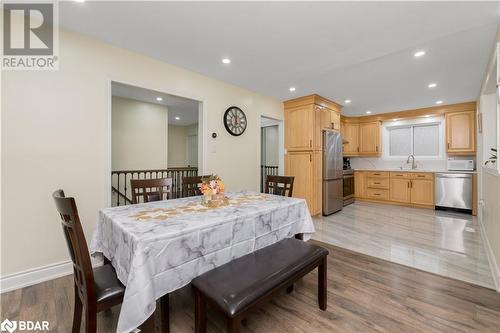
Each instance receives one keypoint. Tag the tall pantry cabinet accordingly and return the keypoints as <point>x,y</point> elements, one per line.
<point>305,118</point>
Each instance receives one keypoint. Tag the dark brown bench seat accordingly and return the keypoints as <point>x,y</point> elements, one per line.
<point>245,282</point>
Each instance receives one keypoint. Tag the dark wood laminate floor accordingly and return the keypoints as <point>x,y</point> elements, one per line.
<point>365,294</point>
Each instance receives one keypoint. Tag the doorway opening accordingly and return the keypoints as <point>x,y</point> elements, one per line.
<point>153,135</point>
<point>271,149</point>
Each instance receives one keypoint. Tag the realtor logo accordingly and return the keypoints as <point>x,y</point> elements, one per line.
<point>29,36</point>
<point>8,326</point>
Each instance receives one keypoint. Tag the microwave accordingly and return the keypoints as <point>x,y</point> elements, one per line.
<point>460,165</point>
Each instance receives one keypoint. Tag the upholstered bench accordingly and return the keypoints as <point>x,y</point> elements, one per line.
<point>246,282</point>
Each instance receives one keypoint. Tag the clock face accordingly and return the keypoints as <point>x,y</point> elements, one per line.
<point>235,121</point>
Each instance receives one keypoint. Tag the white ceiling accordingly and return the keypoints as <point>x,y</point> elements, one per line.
<point>362,51</point>
<point>184,108</point>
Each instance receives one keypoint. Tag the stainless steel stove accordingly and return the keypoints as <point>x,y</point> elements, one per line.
<point>348,180</point>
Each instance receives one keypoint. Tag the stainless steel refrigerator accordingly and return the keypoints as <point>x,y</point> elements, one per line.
<point>333,163</point>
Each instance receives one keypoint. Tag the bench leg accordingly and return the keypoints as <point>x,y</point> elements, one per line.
<point>299,236</point>
<point>233,325</point>
<point>200,312</point>
<point>322,284</point>
<point>165,313</point>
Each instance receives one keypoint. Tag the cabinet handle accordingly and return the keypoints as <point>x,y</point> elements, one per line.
<point>310,143</point>
<point>310,158</point>
<point>448,144</point>
<point>421,176</point>
<point>376,149</point>
<point>411,183</point>
<point>376,183</point>
<point>376,193</point>
<point>358,149</point>
<point>376,174</point>
<point>408,184</point>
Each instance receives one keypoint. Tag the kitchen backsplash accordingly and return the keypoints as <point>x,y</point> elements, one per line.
<point>381,163</point>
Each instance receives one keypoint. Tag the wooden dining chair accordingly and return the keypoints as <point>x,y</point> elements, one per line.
<point>279,185</point>
<point>151,189</point>
<point>190,186</point>
<point>96,289</point>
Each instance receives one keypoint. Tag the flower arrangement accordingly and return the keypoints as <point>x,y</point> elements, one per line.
<point>212,188</point>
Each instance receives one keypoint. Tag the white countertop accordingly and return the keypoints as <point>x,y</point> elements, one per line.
<point>413,170</point>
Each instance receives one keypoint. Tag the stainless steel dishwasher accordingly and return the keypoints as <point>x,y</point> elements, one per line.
<point>454,191</point>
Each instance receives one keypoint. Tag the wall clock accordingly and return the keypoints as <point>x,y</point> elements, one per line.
<point>235,121</point>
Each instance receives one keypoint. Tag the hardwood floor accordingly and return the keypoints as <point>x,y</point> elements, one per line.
<point>365,294</point>
<point>445,243</point>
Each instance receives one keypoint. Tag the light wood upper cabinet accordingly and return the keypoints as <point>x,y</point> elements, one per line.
<point>461,133</point>
<point>350,133</point>
<point>400,189</point>
<point>330,119</point>
<point>369,138</point>
<point>299,124</point>
<point>335,119</point>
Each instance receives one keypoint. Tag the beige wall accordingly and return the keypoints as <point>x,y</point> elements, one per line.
<point>55,134</point>
<point>139,135</point>
<point>177,143</point>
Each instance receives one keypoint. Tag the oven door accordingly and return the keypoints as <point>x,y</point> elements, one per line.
<point>348,187</point>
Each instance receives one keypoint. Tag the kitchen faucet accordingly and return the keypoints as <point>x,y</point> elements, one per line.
<point>413,164</point>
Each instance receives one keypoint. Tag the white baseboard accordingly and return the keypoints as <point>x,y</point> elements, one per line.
<point>34,276</point>
<point>491,257</point>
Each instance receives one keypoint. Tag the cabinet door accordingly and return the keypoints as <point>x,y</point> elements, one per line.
<point>400,190</point>
<point>369,138</point>
<point>422,192</point>
<point>460,132</point>
<point>335,120</point>
<point>317,142</point>
<point>351,134</point>
<point>299,165</point>
<point>299,124</point>
<point>317,190</point>
<point>359,184</point>
<point>326,119</point>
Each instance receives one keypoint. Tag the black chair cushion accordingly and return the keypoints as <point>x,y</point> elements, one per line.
<point>241,282</point>
<point>107,285</point>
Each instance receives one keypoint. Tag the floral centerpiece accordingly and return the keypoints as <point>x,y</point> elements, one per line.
<point>212,188</point>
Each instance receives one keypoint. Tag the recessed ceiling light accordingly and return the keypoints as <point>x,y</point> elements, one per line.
<point>292,89</point>
<point>427,115</point>
<point>177,118</point>
<point>368,112</point>
<point>439,102</point>
<point>347,101</point>
<point>79,0</point>
<point>159,99</point>
<point>226,61</point>
<point>395,119</point>
<point>432,85</point>
<point>419,53</point>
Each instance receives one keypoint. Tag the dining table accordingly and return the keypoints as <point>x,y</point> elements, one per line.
<point>159,247</point>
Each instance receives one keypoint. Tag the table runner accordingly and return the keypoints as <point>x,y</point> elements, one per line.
<point>159,247</point>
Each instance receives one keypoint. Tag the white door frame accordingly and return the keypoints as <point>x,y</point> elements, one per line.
<point>202,128</point>
<point>281,143</point>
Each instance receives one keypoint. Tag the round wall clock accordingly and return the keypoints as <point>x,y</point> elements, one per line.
<point>235,121</point>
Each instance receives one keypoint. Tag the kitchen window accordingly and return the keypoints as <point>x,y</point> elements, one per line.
<point>422,138</point>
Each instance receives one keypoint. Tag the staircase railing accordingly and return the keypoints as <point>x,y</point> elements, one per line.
<point>266,170</point>
<point>120,181</point>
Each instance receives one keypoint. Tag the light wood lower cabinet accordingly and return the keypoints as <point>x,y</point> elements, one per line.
<point>359,184</point>
<point>400,190</point>
<point>305,166</point>
<point>407,188</point>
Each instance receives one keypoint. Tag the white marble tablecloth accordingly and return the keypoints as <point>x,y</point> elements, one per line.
<point>159,247</point>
